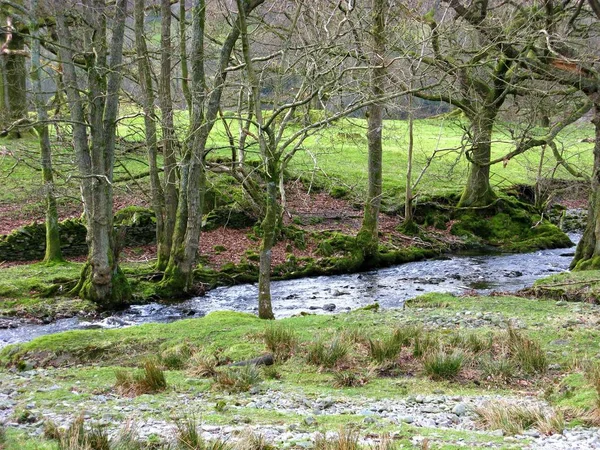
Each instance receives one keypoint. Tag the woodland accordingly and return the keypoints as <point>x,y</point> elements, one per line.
<point>155,151</point>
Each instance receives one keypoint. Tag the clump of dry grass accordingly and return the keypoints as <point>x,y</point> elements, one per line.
<point>515,419</point>
<point>202,365</point>
<point>280,340</point>
<point>346,439</point>
<point>237,379</point>
<point>526,352</point>
<point>149,381</point>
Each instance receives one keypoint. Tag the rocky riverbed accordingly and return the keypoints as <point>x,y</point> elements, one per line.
<point>154,417</point>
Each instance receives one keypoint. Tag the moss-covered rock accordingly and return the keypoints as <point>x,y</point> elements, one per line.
<point>28,243</point>
<point>510,226</point>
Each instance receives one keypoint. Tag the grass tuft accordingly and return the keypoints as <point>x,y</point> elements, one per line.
<point>150,381</point>
<point>202,365</point>
<point>347,378</point>
<point>253,441</point>
<point>345,440</point>
<point>501,369</point>
<point>189,438</point>
<point>323,355</point>
<point>280,340</point>
<point>472,342</point>
<point>237,379</point>
<point>385,349</point>
<point>405,335</point>
<point>526,352</point>
<point>176,357</point>
<point>440,365</point>
<point>424,344</point>
<point>271,373</point>
<point>515,419</point>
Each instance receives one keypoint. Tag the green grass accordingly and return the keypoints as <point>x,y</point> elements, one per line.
<point>333,157</point>
<point>92,357</point>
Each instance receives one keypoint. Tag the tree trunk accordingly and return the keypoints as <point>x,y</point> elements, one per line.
<point>145,76</point>
<point>178,278</point>
<point>185,82</point>
<point>587,255</point>
<point>101,279</point>
<point>408,198</point>
<point>168,134</point>
<point>477,191</point>
<point>14,76</point>
<point>53,252</point>
<point>367,238</point>
<point>269,227</point>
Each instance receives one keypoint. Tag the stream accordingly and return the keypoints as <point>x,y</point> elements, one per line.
<point>390,287</point>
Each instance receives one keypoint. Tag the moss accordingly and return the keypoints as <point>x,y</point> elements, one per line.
<point>134,216</point>
<point>339,192</point>
<point>509,225</point>
<point>120,292</point>
<point>588,264</point>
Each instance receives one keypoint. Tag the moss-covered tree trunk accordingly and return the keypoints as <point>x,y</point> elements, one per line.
<point>478,191</point>
<point>94,139</point>
<point>148,99</point>
<point>178,277</point>
<point>14,77</point>
<point>587,255</point>
<point>367,238</point>
<point>168,135</point>
<point>270,227</point>
<point>53,251</point>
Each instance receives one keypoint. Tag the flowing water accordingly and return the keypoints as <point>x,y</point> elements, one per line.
<point>389,287</point>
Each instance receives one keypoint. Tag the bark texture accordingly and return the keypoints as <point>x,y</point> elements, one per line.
<point>587,255</point>
<point>150,119</point>
<point>53,251</point>
<point>101,279</point>
<point>368,239</point>
<point>478,191</point>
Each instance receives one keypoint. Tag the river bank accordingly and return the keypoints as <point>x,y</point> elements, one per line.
<point>56,378</point>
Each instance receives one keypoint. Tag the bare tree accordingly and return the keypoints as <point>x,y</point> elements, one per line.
<point>93,116</point>
<point>206,100</point>
<point>53,252</point>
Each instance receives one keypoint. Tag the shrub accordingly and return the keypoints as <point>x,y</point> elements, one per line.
<point>321,354</point>
<point>202,365</point>
<point>526,352</point>
<point>442,365</point>
<point>514,419</point>
<point>150,381</point>
<point>237,379</point>
<point>385,349</point>
<point>280,340</point>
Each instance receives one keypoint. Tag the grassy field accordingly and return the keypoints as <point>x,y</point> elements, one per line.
<point>335,156</point>
<point>521,350</point>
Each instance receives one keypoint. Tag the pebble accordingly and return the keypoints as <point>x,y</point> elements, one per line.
<point>435,411</point>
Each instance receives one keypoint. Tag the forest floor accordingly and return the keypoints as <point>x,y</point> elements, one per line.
<point>446,372</point>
